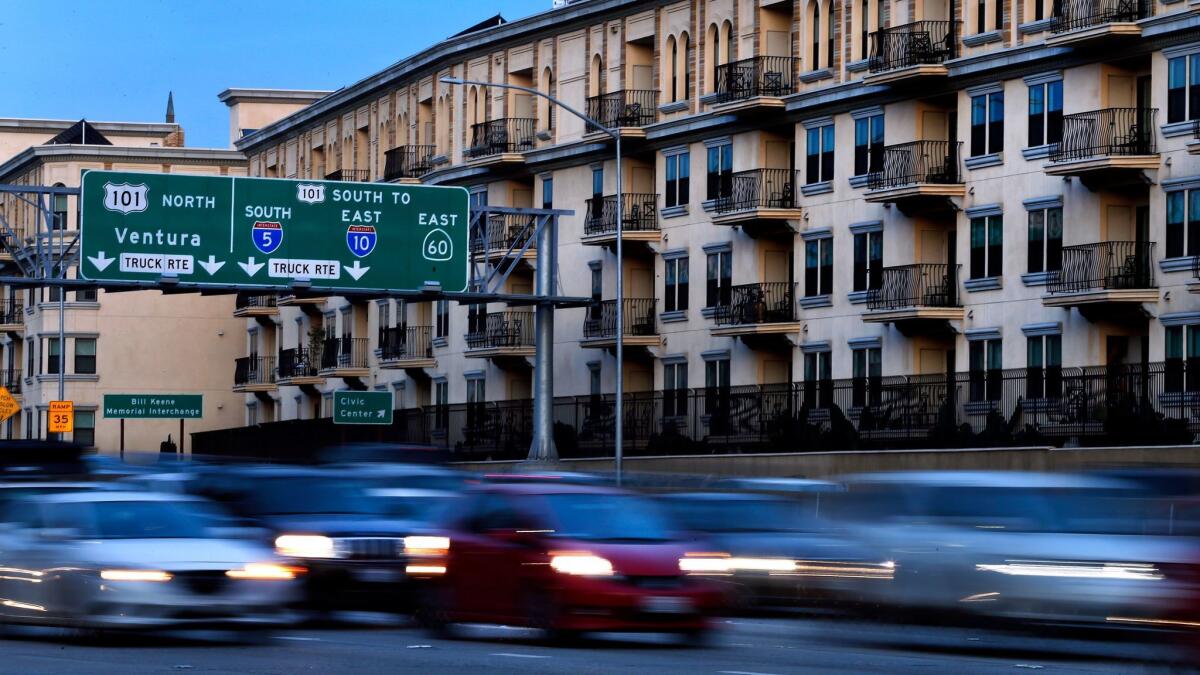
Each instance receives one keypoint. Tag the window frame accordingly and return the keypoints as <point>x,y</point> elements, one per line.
<point>987,123</point>
<point>677,176</point>
<point>1046,123</point>
<point>718,278</point>
<point>719,181</point>
<point>1183,100</point>
<point>80,360</point>
<point>1182,234</point>
<point>868,260</point>
<point>985,369</point>
<point>867,376</point>
<point>676,279</point>
<point>818,266</point>
<point>1044,253</point>
<point>987,260</point>
<point>819,161</point>
<point>868,144</point>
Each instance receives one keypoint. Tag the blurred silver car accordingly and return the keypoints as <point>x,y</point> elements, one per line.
<point>134,560</point>
<point>1054,547</point>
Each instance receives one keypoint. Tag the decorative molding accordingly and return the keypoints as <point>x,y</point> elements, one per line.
<point>1179,318</point>
<point>816,75</point>
<point>1037,278</point>
<point>860,181</point>
<point>1043,328</point>
<point>1174,129</point>
<point>1183,183</point>
<point>984,161</point>
<point>675,150</point>
<point>1033,27</point>
<point>718,141</point>
<point>674,253</point>
<point>858,66</point>
<point>983,210</point>
<point>475,374</point>
<point>982,89</point>
<point>816,346</point>
<point>984,284</point>
<point>718,247</point>
<point>672,359</point>
<point>1180,264</point>
<point>595,264</point>
<point>866,112</point>
<point>858,297</point>
<point>1038,151</point>
<point>980,39</point>
<point>1043,78</point>
<point>441,342</point>
<point>1181,50</point>
<point>674,211</point>
<point>817,233</point>
<point>1039,203</point>
<point>872,342</point>
<point>865,226</point>
<point>817,122</point>
<point>813,189</point>
<point>714,97</point>
<point>708,312</point>
<point>715,355</point>
<point>677,106</point>
<point>709,205</point>
<point>69,377</point>
<point>673,317</point>
<point>974,334</point>
<point>815,301</point>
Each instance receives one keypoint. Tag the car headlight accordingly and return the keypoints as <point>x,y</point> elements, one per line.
<point>426,545</point>
<point>135,575</point>
<point>263,571</point>
<point>305,546</point>
<point>580,564</point>
<point>705,563</point>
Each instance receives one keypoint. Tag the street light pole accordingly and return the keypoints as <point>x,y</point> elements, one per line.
<point>620,308</point>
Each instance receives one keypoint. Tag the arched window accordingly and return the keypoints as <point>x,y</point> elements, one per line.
<point>596,85</point>
<point>545,110</point>
<point>673,50</point>
<point>815,27</point>
<point>685,52</point>
<point>864,31</point>
<point>831,33</point>
<point>727,41</point>
<point>714,61</point>
<point>60,210</point>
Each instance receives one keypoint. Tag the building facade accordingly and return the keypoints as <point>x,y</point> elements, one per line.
<point>842,221</point>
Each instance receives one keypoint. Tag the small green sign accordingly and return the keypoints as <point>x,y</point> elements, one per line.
<point>362,407</point>
<point>153,406</point>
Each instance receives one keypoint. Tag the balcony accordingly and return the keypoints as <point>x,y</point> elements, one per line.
<point>913,296</point>
<point>501,335</point>
<point>12,317</point>
<point>1097,20</point>
<point>310,304</point>
<point>639,220</point>
<point>406,347</point>
<point>1193,145</point>
<point>625,111</point>
<point>502,140</point>
<point>349,175</point>
<point>247,305</point>
<point>300,367</point>
<point>1104,279</point>
<point>345,357</point>
<point>10,379</point>
<point>1108,148</point>
<point>504,236</point>
<point>757,83</point>
<point>918,177</point>
<point>758,313</point>
<point>913,50</point>
<point>252,374</point>
<point>407,163</point>
<point>639,320</point>
<point>763,201</point>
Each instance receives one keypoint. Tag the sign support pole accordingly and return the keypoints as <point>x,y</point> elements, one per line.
<point>122,439</point>
<point>542,449</point>
<point>181,437</point>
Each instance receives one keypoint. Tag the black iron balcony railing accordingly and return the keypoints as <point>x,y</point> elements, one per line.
<point>349,175</point>
<point>913,44</point>
<point>918,162</point>
<point>10,379</point>
<point>300,362</point>
<point>624,108</point>
<point>408,161</point>
<point>254,370</point>
<point>11,312</point>
<point>638,318</point>
<point>1079,14</point>
<point>764,302</point>
<point>1105,265</point>
<point>501,329</point>
<point>758,189</point>
<point>406,342</point>
<point>247,301</point>
<point>495,137</point>
<point>1111,132</point>
<point>756,76</point>
<point>344,352</point>
<point>918,285</point>
<point>503,232</point>
<point>640,214</point>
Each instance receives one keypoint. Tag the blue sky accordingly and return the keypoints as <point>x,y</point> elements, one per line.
<point>117,60</point>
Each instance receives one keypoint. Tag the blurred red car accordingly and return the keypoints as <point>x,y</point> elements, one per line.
<point>566,559</point>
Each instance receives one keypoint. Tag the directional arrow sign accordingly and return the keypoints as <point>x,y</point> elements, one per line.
<point>332,235</point>
<point>362,407</point>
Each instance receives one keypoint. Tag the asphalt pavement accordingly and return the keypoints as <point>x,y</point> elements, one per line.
<point>749,646</point>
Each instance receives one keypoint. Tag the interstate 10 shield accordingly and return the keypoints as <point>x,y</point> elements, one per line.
<point>361,239</point>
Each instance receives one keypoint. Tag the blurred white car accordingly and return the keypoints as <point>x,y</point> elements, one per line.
<point>1054,547</point>
<point>134,560</point>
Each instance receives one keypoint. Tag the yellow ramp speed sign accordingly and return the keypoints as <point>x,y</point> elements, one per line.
<point>8,404</point>
<point>62,417</point>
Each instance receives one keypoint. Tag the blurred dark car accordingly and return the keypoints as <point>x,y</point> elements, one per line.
<point>325,520</point>
<point>43,459</point>
<point>773,551</point>
<point>565,559</point>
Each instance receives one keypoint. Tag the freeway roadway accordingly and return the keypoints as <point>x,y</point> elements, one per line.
<point>743,646</point>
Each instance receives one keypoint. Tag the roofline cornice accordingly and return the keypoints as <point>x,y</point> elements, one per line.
<point>40,154</point>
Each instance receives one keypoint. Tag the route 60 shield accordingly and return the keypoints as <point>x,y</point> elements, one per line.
<point>437,245</point>
<point>267,236</point>
<point>361,239</point>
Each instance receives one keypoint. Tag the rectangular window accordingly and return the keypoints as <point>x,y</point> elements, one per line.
<point>1182,367</point>
<point>676,285</point>
<point>443,319</point>
<point>987,247</point>
<point>868,261</point>
<point>716,394</point>
<point>85,428</point>
<point>1045,113</point>
<point>719,279</point>
<point>868,376</point>
<point>868,145</point>
<point>1043,367</point>
<point>53,356</point>
<point>441,401</point>
<point>819,159</point>
<point>985,374</point>
<point>987,124</point>
<point>595,310</point>
<point>678,182</point>
<point>1045,240</point>
<point>675,389</point>
<point>1183,223</point>
<point>818,267</point>
<point>818,380</point>
<point>85,356</point>
<point>30,361</point>
<point>720,171</point>
<point>547,193</point>
<point>1183,88</point>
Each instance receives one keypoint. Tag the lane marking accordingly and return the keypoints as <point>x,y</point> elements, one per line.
<point>742,672</point>
<point>297,638</point>
<point>520,656</point>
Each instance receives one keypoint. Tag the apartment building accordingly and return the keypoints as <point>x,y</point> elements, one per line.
<point>843,222</point>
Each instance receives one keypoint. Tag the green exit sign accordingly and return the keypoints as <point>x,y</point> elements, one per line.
<point>153,406</point>
<point>362,407</point>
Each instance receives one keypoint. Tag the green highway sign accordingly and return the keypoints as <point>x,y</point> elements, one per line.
<point>270,232</point>
<point>362,407</point>
<point>153,406</point>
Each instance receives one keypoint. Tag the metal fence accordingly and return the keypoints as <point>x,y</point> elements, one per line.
<point>764,302</point>
<point>913,44</point>
<point>640,214</point>
<point>918,162</point>
<point>1111,132</point>
<point>759,189</point>
<point>1079,14</point>
<point>350,175</point>
<point>639,318</point>
<point>408,161</point>
<point>10,379</point>
<point>494,137</point>
<point>248,301</point>
<point>300,362</point>
<point>1105,265</point>
<point>502,329</point>
<point>501,232</point>
<point>406,342</point>
<point>253,370</point>
<point>344,352</point>
<point>624,108</point>
<point>918,285</point>
<point>12,312</point>
<point>756,76</point>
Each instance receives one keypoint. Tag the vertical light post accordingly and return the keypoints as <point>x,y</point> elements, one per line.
<point>620,217</point>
